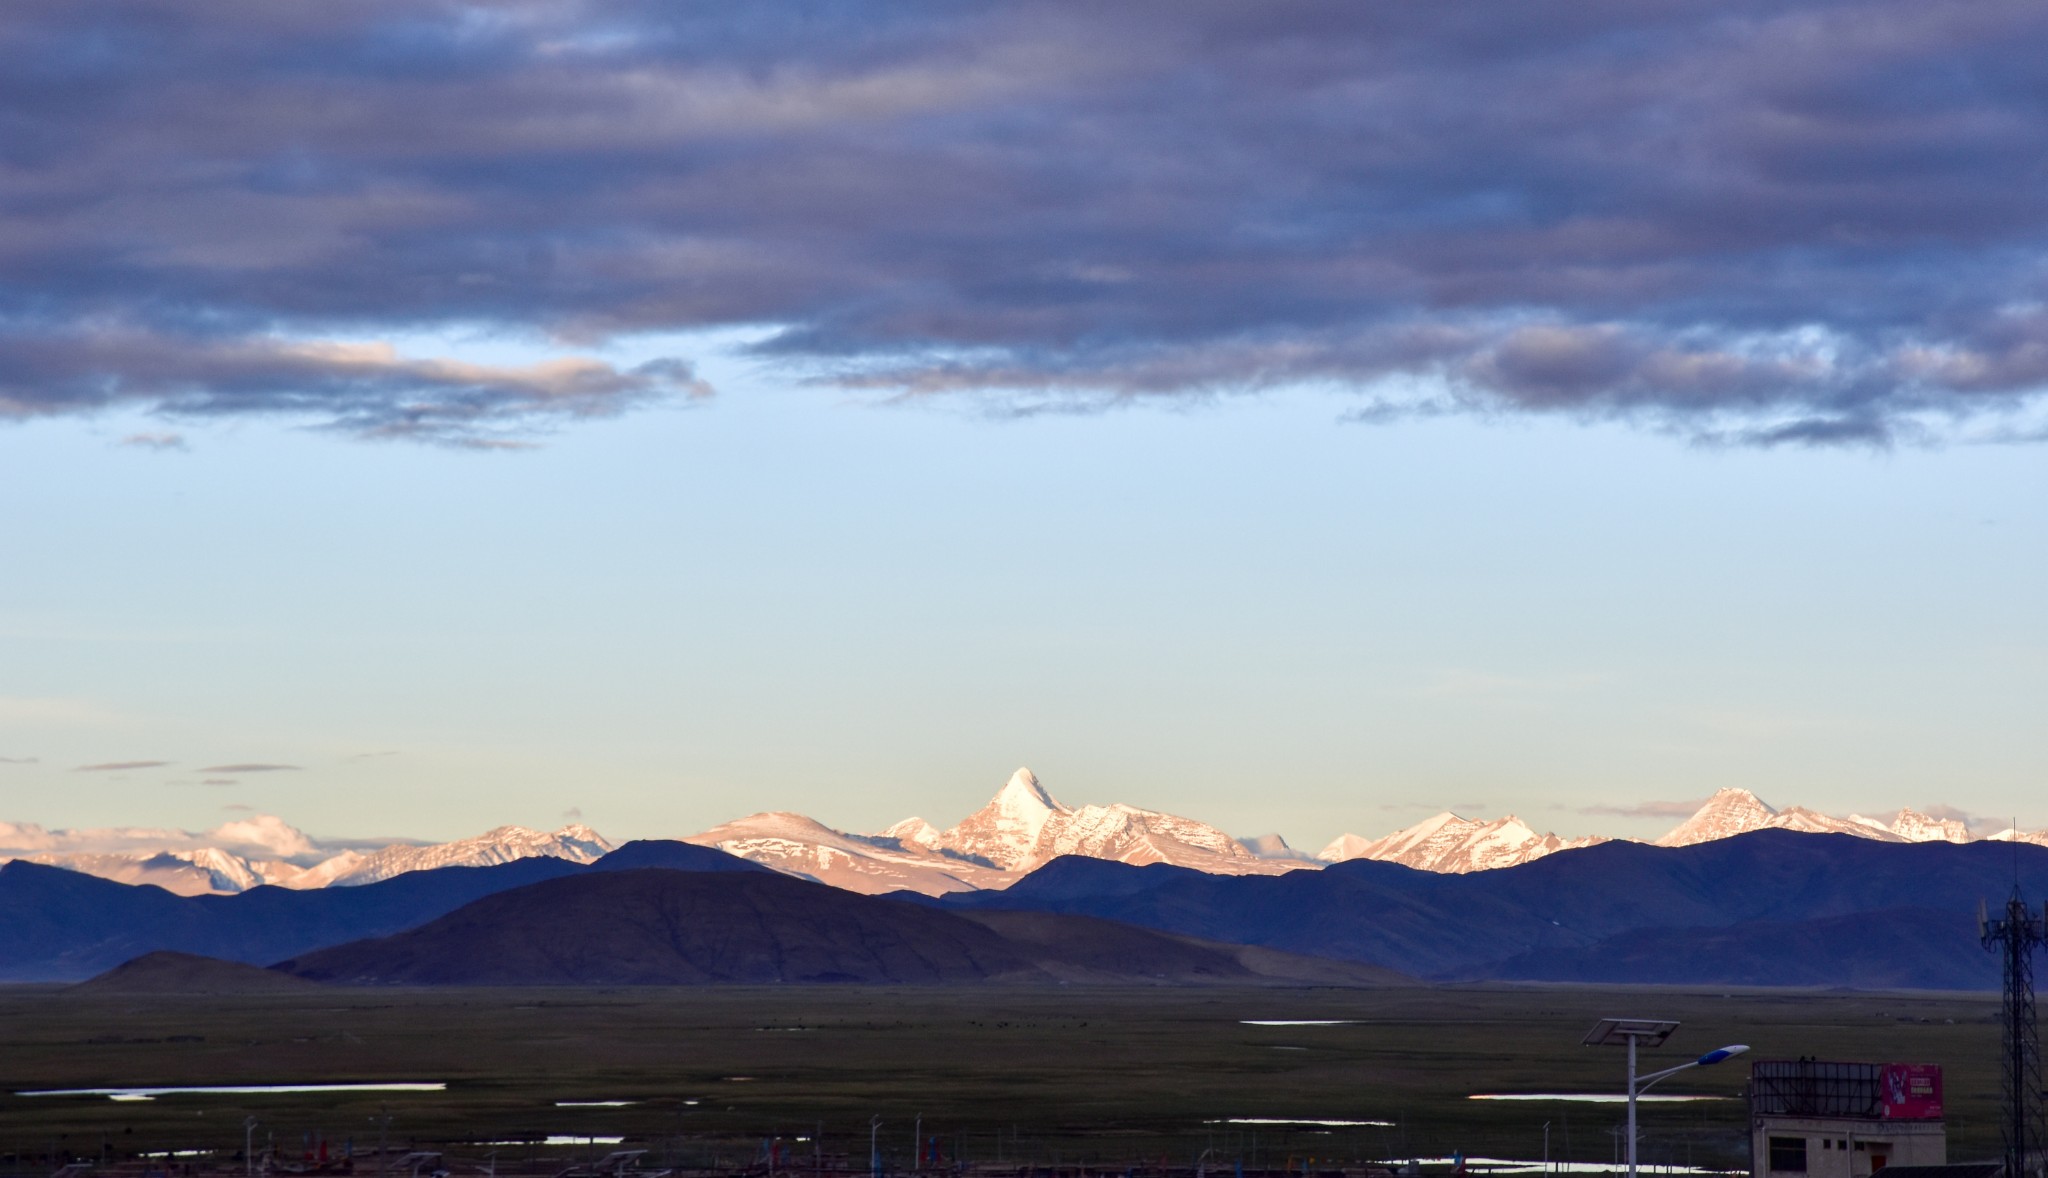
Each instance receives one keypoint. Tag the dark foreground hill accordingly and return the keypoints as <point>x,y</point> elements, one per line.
<point>1768,908</point>
<point>655,927</point>
<point>168,972</point>
<point>65,925</point>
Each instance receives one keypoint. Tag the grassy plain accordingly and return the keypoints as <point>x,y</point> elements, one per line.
<point>1044,1075</point>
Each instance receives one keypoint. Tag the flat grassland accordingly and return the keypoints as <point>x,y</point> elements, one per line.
<point>1048,1076</point>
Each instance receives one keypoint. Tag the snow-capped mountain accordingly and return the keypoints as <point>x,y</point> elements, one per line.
<point>1023,826</point>
<point>903,858</point>
<point>1272,846</point>
<point>1735,811</point>
<point>265,849</point>
<point>1449,843</point>
<point>1915,827</point>
<point>1728,813</point>
<point>1006,832</point>
<point>1020,829</point>
<point>576,843</point>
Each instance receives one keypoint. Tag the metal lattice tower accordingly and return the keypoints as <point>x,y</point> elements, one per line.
<point>2014,935</point>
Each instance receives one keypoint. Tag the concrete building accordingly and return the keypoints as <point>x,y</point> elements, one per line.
<point>1822,1119</point>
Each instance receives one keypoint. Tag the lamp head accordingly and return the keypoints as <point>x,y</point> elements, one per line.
<point>1720,1053</point>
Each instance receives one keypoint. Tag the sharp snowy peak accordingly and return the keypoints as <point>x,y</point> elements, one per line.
<point>1020,829</point>
<point>1451,844</point>
<point>1023,827</point>
<point>1006,832</point>
<point>1728,813</point>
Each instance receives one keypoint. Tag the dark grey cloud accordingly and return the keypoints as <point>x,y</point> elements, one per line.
<point>250,767</point>
<point>1648,809</point>
<point>1755,222</point>
<point>120,766</point>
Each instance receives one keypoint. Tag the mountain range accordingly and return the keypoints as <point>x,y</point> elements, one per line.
<point>64,925</point>
<point>1773,907</point>
<point>267,850</point>
<point>1021,828</point>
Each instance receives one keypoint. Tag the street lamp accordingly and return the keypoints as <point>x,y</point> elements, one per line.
<point>1649,1032</point>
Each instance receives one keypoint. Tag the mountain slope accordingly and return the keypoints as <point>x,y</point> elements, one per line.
<point>1919,948</point>
<point>65,925</point>
<point>654,927</point>
<point>1566,916</point>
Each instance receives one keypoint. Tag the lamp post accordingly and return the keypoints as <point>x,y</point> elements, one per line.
<point>1649,1032</point>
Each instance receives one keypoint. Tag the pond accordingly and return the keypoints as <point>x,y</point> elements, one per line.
<point>235,1090</point>
<point>1596,1097</point>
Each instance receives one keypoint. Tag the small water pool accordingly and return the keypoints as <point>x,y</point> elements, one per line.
<point>1595,1097</point>
<point>236,1090</point>
<point>1309,1121</point>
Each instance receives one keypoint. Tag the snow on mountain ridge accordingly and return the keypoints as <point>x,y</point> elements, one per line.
<point>1449,843</point>
<point>1006,832</point>
<point>804,847</point>
<point>1916,827</point>
<point>265,850</point>
<point>1729,812</point>
<point>504,844</point>
<point>1021,827</point>
<point>915,832</point>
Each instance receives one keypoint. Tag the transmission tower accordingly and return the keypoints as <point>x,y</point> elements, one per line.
<point>2013,936</point>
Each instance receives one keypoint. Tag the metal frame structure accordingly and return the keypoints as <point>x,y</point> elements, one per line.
<point>1647,1032</point>
<point>2014,936</point>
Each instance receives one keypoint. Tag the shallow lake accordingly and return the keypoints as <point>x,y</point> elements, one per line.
<point>1529,1166</point>
<point>1320,1124</point>
<point>235,1090</point>
<point>1595,1097</point>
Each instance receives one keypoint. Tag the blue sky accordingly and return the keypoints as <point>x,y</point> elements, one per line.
<point>1300,416</point>
<point>1246,610</point>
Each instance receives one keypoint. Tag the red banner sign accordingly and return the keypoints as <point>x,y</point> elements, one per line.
<point>1910,1091</point>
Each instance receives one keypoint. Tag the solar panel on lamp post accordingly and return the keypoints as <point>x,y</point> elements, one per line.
<point>1648,1032</point>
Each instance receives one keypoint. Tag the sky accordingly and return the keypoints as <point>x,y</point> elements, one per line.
<point>420,417</point>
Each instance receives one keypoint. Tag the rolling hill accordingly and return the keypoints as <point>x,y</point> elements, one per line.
<point>655,927</point>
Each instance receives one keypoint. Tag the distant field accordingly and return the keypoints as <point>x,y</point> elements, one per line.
<point>1073,1075</point>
